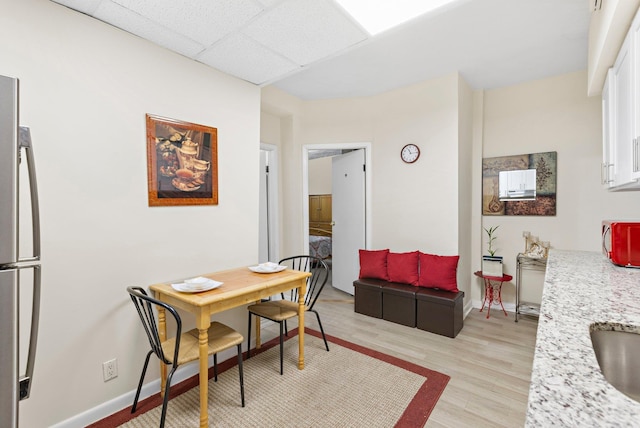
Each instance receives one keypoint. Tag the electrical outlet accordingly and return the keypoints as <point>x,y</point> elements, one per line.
<point>110,369</point>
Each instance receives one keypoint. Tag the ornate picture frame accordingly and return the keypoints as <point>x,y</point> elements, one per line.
<point>544,203</point>
<point>182,162</point>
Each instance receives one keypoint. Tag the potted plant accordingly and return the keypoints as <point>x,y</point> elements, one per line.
<point>491,264</point>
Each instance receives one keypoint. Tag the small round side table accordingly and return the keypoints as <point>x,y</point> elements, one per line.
<point>493,291</point>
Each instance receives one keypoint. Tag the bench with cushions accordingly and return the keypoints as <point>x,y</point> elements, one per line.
<point>413,289</point>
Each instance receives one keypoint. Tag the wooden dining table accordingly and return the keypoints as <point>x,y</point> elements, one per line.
<point>240,286</point>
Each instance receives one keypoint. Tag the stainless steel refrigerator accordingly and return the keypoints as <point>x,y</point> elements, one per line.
<point>16,164</point>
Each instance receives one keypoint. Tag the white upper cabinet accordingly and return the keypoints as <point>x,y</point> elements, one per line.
<point>609,24</point>
<point>622,115</point>
<point>621,111</point>
<point>607,172</point>
<point>634,35</point>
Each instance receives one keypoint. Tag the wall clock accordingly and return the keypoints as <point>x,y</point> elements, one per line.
<point>410,153</point>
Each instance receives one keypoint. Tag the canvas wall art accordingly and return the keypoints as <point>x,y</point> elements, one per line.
<point>543,203</point>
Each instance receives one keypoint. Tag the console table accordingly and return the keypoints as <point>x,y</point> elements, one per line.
<point>524,262</point>
<point>493,291</point>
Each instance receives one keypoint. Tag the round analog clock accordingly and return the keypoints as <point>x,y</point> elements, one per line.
<point>410,153</point>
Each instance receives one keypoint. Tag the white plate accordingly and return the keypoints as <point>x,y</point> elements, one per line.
<point>186,287</point>
<point>200,280</point>
<point>267,269</point>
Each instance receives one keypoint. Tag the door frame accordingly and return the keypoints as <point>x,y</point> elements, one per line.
<point>273,199</point>
<point>305,185</point>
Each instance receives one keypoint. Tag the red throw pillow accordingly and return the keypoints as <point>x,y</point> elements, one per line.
<point>403,267</point>
<point>373,264</point>
<point>438,272</point>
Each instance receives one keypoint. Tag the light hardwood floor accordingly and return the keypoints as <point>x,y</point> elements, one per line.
<point>489,361</point>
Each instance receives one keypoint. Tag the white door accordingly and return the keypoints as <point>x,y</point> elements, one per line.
<point>268,246</point>
<point>263,235</point>
<point>348,212</point>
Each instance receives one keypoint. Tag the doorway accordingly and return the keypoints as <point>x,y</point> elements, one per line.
<point>348,271</point>
<point>268,236</point>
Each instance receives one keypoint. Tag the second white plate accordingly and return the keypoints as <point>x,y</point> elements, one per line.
<point>191,288</point>
<point>261,269</point>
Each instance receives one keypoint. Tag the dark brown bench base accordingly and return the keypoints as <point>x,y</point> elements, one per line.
<point>432,310</point>
<point>399,303</point>
<point>439,311</point>
<point>368,298</point>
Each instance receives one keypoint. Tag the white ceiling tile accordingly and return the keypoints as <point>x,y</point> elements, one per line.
<point>84,6</point>
<point>305,30</point>
<point>204,21</point>
<point>313,49</point>
<point>136,24</point>
<point>243,57</point>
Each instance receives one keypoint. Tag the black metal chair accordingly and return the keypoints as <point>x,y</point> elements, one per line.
<point>281,310</point>
<point>182,348</point>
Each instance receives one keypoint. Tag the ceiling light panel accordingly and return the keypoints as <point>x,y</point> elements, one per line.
<point>305,30</point>
<point>130,21</point>
<point>377,16</point>
<point>204,21</point>
<point>245,58</point>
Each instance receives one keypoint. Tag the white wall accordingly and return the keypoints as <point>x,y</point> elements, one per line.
<point>85,90</point>
<point>553,114</point>
<point>466,158</point>
<point>269,128</point>
<point>283,113</point>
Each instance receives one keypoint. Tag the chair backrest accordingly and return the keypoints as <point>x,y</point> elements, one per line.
<point>315,283</point>
<point>144,305</point>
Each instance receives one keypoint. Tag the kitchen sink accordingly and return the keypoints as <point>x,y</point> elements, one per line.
<point>618,354</point>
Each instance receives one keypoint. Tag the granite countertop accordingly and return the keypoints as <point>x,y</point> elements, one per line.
<point>567,386</point>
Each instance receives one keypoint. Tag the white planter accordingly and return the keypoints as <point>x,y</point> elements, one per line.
<point>492,268</point>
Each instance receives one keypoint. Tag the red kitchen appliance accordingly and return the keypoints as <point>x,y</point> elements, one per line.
<point>621,242</point>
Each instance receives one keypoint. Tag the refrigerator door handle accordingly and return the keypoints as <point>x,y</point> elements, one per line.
<point>26,379</point>
<point>25,142</point>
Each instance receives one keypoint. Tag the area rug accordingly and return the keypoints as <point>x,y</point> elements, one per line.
<point>350,386</point>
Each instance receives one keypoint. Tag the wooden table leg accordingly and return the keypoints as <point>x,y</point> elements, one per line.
<point>162,331</point>
<point>301,311</point>
<point>203,340</point>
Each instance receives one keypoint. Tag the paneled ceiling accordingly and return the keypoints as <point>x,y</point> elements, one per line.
<point>313,49</point>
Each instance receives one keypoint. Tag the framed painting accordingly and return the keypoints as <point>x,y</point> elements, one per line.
<point>520,185</point>
<point>182,163</point>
